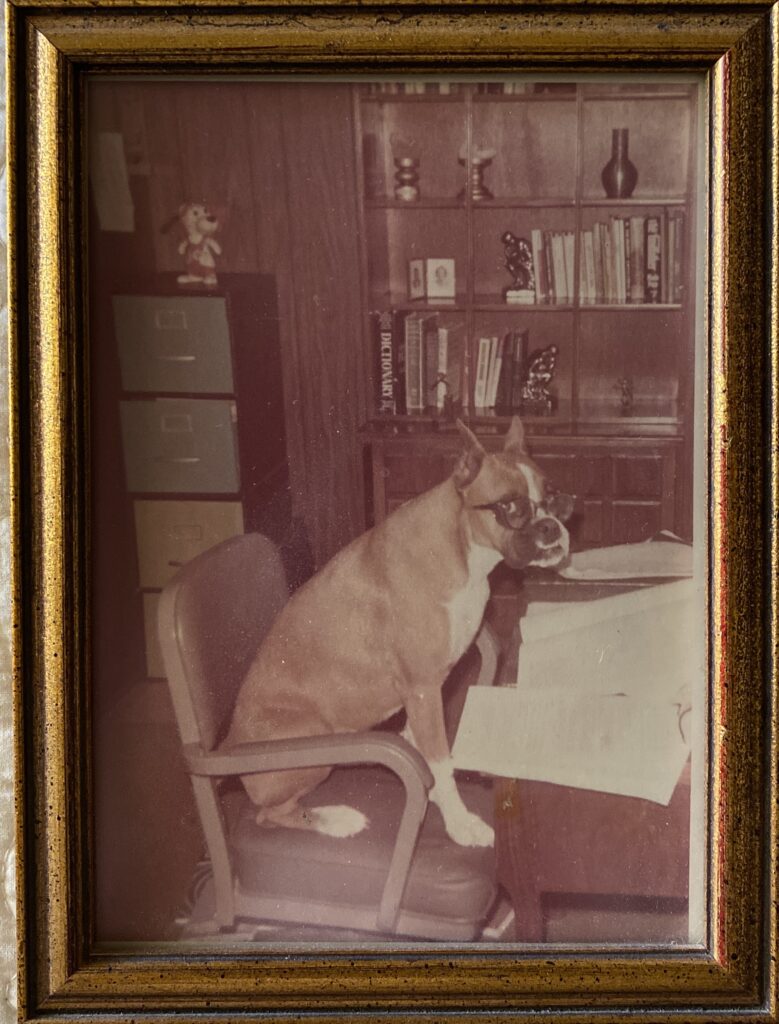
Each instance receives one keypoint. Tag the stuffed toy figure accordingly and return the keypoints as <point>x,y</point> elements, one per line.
<point>199,246</point>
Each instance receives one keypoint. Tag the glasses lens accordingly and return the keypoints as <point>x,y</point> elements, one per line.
<point>516,512</point>
<point>560,506</point>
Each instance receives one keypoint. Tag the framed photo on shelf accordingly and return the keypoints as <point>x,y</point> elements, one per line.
<point>285,487</point>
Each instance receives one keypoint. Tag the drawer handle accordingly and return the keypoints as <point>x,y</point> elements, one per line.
<point>175,564</point>
<point>176,359</point>
<point>183,460</point>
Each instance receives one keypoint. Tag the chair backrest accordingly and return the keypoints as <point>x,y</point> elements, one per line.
<point>213,616</point>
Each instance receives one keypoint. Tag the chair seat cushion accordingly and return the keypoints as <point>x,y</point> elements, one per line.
<point>446,880</point>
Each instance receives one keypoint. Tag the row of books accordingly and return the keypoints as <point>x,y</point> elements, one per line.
<point>627,260</point>
<point>509,87</point>
<point>421,361</point>
<point>501,369</point>
<point>414,87</point>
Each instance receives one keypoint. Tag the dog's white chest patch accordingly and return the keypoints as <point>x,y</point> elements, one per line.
<point>466,607</point>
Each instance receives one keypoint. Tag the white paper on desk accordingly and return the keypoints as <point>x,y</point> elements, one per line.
<point>611,743</point>
<point>600,688</point>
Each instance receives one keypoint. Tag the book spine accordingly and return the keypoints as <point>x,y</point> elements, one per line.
<point>456,364</point>
<point>384,345</point>
<point>665,287</point>
<point>539,265</point>
<point>608,264</point>
<point>443,368</point>
<point>430,349</point>
<point>653,260</point>
<point>549,266</point>
<point>558,259</point>
<point>519,359</point>
<point>597,245</point>
<point>482,371</point>
<point>637,262</point>
<point>628,256</point>
<point>497,362</point>
<point>505,378</point>
<point>414,364</point>
<point>677,289</point>
<point>569,262</point>
<point>589,267</point>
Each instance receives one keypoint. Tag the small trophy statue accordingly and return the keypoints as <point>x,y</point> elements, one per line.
<point>537,399</point>
<point>519,263</point>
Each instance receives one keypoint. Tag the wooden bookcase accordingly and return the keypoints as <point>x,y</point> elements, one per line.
<point>631,471</point>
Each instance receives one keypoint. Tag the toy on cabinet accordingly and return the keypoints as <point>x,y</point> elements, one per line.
<point>199,247</point>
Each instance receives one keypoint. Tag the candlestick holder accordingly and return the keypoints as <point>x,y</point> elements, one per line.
<point>407,178</point>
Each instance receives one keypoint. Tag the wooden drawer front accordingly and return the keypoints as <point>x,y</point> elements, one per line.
<point>170,533</point>
<point>635,521</point>
<point>591,476</point>
<point>180,445</point>
<point>154,664</point>
<point>588,525</point>
<point>173,343</point>
<point>637,476</point>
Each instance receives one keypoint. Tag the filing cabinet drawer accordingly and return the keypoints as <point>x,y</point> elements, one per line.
<point>173,343</point>
<point>171,533</point>
<point>155,667</point>
<point>174,445</point>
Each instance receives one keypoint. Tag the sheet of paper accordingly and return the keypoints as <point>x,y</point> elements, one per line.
<point>601,695</point>
<point>613,744</point>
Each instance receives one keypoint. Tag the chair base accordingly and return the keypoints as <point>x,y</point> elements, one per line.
<point>262,919</point>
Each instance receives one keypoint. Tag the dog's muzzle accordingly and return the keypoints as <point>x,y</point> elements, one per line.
<point>537,535</point>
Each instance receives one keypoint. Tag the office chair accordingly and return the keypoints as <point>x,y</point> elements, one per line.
<point>402,876</point>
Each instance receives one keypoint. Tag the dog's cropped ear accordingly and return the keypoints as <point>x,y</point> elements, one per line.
<point>469,463</point>
<point>514,441</point>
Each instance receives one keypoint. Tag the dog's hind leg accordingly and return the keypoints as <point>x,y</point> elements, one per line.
<point>278,796</point>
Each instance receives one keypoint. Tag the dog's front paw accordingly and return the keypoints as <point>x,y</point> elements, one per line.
<point>337,820</point>
<point>468,829</point>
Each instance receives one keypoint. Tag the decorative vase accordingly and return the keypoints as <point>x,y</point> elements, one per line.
<point>407,178</point>
<point>619,176</point>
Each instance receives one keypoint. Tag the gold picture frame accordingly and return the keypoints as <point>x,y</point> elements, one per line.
<point>51,46</point>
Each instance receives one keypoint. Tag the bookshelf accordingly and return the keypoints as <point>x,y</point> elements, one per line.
<point>619,428</point>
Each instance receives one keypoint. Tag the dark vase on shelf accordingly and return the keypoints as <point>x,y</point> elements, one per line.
<point>619,176</point>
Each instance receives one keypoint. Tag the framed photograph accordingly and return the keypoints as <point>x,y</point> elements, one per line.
<point>385,649</point>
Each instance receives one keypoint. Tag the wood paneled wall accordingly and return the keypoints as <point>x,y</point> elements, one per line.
<point>277,161</point>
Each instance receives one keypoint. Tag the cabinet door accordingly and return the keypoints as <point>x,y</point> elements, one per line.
<point>180,445</point>
<point>173,343</point>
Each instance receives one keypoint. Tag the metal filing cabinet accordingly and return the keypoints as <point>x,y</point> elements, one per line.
<point>201,419</point>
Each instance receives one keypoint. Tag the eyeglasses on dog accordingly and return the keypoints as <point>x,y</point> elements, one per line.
<point>516,512</point>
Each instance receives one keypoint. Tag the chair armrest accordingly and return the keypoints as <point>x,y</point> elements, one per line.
<point>384,748</point>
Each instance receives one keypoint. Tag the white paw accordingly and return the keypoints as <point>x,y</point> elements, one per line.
<point>338,820</point>
<point>468,829</point>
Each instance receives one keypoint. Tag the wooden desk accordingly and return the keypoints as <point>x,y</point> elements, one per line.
<point>557,846</point>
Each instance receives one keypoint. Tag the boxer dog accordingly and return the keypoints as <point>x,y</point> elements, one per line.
<point>383,623</point>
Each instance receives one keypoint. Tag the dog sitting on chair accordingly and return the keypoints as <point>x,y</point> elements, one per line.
<point>383,623</point>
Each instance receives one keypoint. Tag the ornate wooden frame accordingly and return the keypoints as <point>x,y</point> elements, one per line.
<point>51,46</point>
